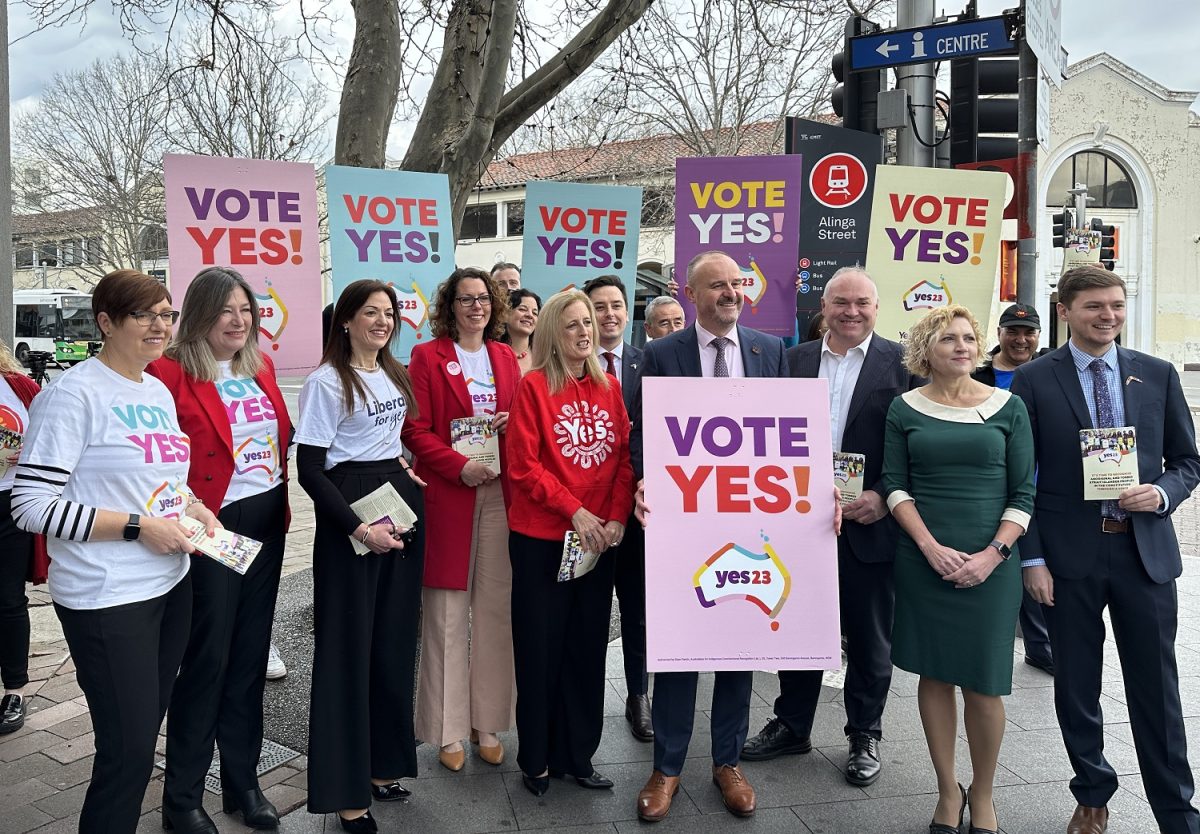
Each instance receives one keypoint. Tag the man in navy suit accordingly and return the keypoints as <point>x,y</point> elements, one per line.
<point>1080,557</point>
<point>865,373</point>
<point>622,360</point>
<point>714,346</point>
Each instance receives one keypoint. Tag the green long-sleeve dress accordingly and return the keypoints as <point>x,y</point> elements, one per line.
<point>967,469</point>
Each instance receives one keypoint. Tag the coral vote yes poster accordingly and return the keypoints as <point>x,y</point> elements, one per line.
<point>258,217</point>
<point>741,557</point>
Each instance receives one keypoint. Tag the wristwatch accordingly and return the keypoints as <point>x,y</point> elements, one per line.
<point>133,529</point>
<point>1004,550</point>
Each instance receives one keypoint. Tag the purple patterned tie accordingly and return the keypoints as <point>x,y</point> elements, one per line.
<point>1104,420</point>
<point>719,367</point>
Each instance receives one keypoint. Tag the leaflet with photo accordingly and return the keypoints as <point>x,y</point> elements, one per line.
<point>383,506</point>
<point>10,449</point>
<point>1110,464</point>
<point>227,547</point>
<point>575,560</point>
<point>848,469</point>
<point>475,438</point>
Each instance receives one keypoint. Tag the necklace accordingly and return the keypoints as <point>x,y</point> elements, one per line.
<point>364,368</point>
<point>522,355</point>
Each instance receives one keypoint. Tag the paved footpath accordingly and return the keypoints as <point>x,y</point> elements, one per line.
<point>45,766</point>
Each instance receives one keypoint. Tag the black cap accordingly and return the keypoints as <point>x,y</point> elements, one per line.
<point>1020,315</point>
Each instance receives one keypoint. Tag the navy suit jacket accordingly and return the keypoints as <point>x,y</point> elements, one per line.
<point>631,365</point>
<point>679,355</point>
<point>1066,529</point>
<point>882,378</point>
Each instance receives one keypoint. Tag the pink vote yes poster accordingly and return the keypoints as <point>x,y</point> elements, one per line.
<point>741,557</point>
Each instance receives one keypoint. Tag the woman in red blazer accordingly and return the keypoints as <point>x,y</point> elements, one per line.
<point>230,406</point>
<point>466,681</point>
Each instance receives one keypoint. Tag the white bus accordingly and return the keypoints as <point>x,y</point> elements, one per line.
<point>55,321</point>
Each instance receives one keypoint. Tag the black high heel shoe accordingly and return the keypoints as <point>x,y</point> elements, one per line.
<point>257,810</point>
<point>536,785</point>
<point>196,821</point>
<point>942,828</point>
<point>973,829</point>
<point>359,825</point>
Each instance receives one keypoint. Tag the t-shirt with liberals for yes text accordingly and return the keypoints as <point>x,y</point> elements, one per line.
<point>370,432</point>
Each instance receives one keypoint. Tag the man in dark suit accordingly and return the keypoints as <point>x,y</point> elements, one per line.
<point>1080,557</point>
<point>865,373</point>
<point>622,360</point>
<point>714,346</point>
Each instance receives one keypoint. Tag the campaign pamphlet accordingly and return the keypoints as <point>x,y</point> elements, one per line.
<point>225,546</point>
<point>10,449</point>
<point>383,506</point>
<point>1110,464</point>
<point>575,560</point>
<point>848,469</point>
<point>475,438</point>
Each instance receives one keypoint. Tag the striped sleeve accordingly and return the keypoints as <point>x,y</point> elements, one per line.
<point>38,505</point>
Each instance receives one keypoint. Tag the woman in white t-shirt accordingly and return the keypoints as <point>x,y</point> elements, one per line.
<point>231,408</point>
<point>466,686</point>
<point>352,409</point>
<point>103,473</point>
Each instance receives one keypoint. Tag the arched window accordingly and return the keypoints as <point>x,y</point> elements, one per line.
<point>1108,183</point>
<point>153,243</point>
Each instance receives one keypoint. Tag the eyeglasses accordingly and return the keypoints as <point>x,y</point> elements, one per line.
<point>144,318</point>
<point>470,301</point>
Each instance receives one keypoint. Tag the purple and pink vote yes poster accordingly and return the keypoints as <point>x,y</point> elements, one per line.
<point>741,557</point>
<point>258,217</point>
<point>749,208</point>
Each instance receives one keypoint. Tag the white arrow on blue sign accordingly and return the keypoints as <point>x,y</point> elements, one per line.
<point>985,36</point>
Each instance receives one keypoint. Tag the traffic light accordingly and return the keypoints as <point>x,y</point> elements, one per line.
<point>854,98</point>
<point>1063,223</point>
<point>982,129</point>
<point>1109,243</point>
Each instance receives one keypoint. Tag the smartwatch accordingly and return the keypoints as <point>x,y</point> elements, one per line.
<point>1004,550</point>
<point>133,529</point>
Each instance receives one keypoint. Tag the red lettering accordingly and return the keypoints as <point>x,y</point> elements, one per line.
<point>689,488</point>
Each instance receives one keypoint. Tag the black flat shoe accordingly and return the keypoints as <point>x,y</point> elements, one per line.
<point>637,713</point>
<point>942,828</point>
<point>12,713</point>
<point>196,821</point>
<point>390,792</point>
<point>257,810</point>
<point>1044,664</point>
<point>359,825</point>
<point>863,765</point>
<point>973,829</point>
<point>775,739</point>
<point>536,785</point>
<point>594,782</point>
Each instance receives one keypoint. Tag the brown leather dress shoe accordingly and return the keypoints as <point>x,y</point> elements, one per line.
<point>736,792</point>
<point>1087,820</point>
<point>654,800</point>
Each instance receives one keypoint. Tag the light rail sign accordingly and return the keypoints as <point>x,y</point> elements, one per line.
<point>927,44</point>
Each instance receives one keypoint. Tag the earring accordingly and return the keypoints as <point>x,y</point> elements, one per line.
<point>345,329</point>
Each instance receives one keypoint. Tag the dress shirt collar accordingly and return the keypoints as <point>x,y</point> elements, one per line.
<point>861,347</point>
<point>705,338</point>
<point>618,352</point>
<point>1084,360</point>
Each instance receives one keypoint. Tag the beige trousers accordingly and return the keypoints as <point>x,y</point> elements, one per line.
<point>466,680</point>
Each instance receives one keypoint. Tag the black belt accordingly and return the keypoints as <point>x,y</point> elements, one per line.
<point>1113,525</point>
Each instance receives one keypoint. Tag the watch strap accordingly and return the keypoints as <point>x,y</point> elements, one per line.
<point>1004,550</point>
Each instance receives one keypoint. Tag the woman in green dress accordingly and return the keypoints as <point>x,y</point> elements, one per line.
<point>958,472</point>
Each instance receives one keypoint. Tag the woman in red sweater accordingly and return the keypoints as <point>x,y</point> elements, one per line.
<point>568,453</point>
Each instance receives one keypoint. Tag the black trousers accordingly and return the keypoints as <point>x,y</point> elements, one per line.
<point>674,711</point>
<point>630,582</point>
<point>219,693</point>
<point>868,602</point>
<point>1144,617</point>
<point>126,658</point>
<point>560,635</point>
<point>366,611</point>
<point>16,549</point>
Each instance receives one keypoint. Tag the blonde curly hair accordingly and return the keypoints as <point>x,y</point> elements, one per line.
<point>923,334</point>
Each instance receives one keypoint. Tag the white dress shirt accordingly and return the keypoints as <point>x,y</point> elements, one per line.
<point>708,353</point>
<point>842,373</point>
<point>618,352</point>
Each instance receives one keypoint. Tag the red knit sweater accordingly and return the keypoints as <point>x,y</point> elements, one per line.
<point>565,451</point>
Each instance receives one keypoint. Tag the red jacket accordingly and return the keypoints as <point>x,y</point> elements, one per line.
<point>202,417</point>
<point>39,566</point>
<point>567,450</point>
<point>449,503</point>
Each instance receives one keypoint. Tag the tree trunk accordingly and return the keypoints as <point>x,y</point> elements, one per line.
<point>371,87</point>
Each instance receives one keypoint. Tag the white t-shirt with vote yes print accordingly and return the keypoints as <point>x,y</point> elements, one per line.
<point>481,382</point>
<point>257,456</point>
<point>121,444</point>
<point>370,432</point>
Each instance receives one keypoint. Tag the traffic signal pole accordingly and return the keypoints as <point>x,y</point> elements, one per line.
<point>1027,147</point>
<point>919,81</point>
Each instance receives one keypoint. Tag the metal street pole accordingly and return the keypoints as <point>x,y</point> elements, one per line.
<point>1027,146</point>
<point>919,81</point>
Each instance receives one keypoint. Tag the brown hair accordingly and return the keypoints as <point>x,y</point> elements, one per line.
<point>1083,278</point>
<point>441,320</point>
<point>925,332</point>
<point>338,352</point>
<point>202,306</point>
<point>126,291</point>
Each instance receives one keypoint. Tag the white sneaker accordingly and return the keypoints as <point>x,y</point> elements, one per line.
<point>275,666</point>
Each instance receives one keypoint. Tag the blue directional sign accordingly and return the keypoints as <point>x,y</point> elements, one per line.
<point>984,36</point>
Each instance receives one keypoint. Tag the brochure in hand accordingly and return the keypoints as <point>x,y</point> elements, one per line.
<point>10,449</point>
<point>1110,464</point>
<point>848,469</point>
<point>475,438</point>
<point>383,506</point>
<point>227,547</point>
<point>575,560</point>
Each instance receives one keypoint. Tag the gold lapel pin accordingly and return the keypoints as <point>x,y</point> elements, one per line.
<point>1130,379</point>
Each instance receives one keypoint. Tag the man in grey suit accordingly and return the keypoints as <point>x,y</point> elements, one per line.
<point>1080,557</point>
<point>865,373</point>
<point>622,360</point>
<point>714,346</point>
